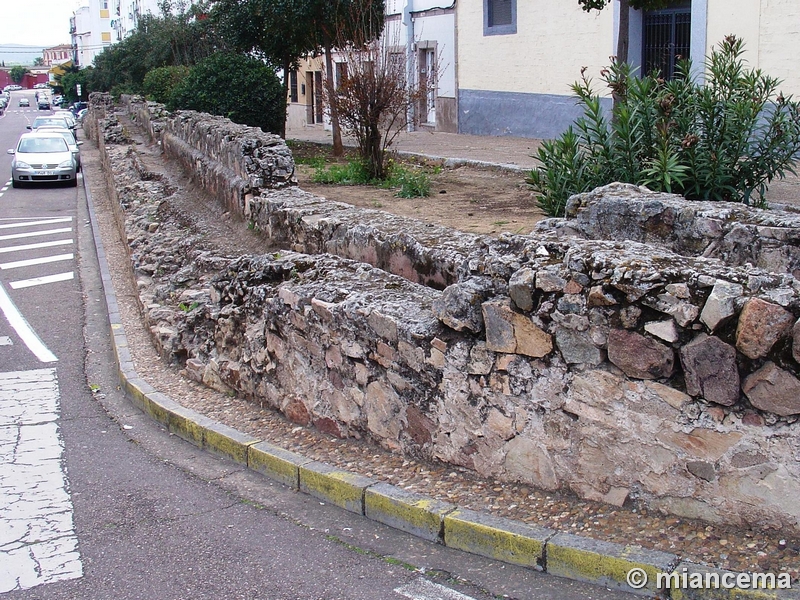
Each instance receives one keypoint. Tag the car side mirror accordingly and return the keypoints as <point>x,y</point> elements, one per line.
<point>29,127</point>
<point>80,143</point>
<point>10,151</point>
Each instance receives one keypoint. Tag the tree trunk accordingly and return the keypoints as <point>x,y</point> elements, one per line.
<point>336,130</point>
<point>623,35</point>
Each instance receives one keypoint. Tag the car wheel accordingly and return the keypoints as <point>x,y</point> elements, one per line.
<point>73,182</point>
<point>16,184</point>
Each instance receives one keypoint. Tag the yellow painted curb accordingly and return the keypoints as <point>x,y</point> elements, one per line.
<point>276,463</point>
<point>227,441</point>
<point>605,563</point>
<point>495,537</point>
<point>684,580</point>
<point>341,488</point>
<point>414,513</point>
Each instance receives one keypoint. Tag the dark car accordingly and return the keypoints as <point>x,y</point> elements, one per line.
<point>43,103</point>
<point>78,107</point>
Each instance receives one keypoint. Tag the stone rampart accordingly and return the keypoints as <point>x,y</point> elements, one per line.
<point>617,370</point>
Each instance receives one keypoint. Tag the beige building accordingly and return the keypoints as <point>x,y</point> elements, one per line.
<point>57,55</point>
<point>517,59</point>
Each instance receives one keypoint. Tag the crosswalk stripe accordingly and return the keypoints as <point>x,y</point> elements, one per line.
<point>422,589</point>
<point>26,283</point>
<point>36,246</point>
<point>24,331</point>
<point>23,223</point>
<point>36,261</point>
<point>18,236</point>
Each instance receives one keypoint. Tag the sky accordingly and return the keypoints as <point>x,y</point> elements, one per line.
<point>36,22</point>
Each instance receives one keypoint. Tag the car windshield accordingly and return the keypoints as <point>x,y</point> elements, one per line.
<point>42,121</point>
<point>43,145</point>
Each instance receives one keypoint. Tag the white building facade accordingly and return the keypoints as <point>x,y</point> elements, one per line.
<point>90,28</point>
<point>127,13</point>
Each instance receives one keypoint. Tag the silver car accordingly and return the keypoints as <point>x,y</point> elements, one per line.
<point>69,135</point>
<point>52,121</point>
<point>42,158</point>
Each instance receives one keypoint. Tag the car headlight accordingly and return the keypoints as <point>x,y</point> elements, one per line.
<point>66,164</point>
<point>21,165</point>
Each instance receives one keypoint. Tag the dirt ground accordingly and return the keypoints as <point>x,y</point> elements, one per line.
<point>471,199</point>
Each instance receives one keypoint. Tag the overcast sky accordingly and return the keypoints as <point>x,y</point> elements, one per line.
<point>36,22</point>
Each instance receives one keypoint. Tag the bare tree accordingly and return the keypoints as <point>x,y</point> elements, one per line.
<point>375,100</point>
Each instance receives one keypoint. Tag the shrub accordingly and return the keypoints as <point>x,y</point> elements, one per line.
<point>724,140</point>
<point>235,86</point>
<point>159,84</point>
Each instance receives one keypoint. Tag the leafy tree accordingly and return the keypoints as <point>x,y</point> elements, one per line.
<point>38,61</point>
<point>160,83</point>
<point>724,140</point>
<point>17,74</point>
<point>69,81</point>
<point>238,87</point>
<point>283,31</point>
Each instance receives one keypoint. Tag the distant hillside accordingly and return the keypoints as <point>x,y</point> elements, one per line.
<point>16,54</point>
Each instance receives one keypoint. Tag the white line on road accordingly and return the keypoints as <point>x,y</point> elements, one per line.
<point>422,589</point>
<point>17,236</point>
<point>26,283</point>
<point>24,331</point>
<point>36,261</point>
<point>36,246</point>
<point>38,544</point>
<point>37,221</point>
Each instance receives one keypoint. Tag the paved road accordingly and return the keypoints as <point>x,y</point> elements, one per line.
<point>98,502</point>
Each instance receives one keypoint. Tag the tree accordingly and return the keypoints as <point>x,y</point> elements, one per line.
<point>160,83</point>
<point>375,99</point>
<point>38,61</point>
<point>238,87</point>
<point>17,74</point>
<point>283,31</point>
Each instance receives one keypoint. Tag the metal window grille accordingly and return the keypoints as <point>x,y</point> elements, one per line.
<point>293,97</point>
<point>667,39</point>
<point>499,12</point>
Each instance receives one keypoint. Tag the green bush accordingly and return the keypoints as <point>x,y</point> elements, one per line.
<point>353,172</point>
<point>235,86</point>
<point>159,84</point>
<point>724,140</point>
<point>412,183</point>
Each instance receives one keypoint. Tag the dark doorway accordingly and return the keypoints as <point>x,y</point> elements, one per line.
<point>667,38</point>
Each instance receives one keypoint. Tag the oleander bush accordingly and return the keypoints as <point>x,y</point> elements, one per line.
<point>724,139</point>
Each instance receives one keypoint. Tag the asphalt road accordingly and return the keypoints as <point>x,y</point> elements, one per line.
<point>96,501</point>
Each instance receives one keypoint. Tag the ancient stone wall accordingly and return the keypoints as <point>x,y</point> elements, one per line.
<point>615,369</point>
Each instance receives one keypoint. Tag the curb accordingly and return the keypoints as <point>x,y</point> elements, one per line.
<point>561,554</point>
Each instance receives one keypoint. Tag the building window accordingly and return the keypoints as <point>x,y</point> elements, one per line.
<point>667,38</point>
<point>105,36</point>
<point>293,87</point>
<point>499,17</point>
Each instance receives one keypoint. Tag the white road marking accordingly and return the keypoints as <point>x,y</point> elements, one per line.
<point>24,331</point>
<point>25,283</point>
<point>22,223</point>
<point>36,246</point>
<point>38,544</point>
<point>36,261</point>
<point>422,589</point>
<point>17,236</point>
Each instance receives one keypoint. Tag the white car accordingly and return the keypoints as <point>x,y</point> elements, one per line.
<point>72,142</point>
<point>67,116</point>
<point>42,157</point>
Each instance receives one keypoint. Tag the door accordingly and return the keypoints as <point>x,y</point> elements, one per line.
<point>427,84</point>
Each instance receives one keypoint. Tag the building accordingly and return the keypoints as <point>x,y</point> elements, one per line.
<point>90,27</point>
<point>419,32</point>
<point>516,59</point>
<point>126,14</point>
<point>57,55</point>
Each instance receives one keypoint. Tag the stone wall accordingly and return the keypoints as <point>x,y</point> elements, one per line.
<point>618,370</point>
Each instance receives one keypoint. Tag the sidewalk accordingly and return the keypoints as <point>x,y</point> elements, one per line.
<point>511,152</point>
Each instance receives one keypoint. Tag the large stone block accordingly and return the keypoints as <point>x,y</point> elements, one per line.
<point>709,365</point>
<point>721,304</point>
<point>638,356</point>
<point>761,324</point>
<point>508,331</point>
<point>774,390</point>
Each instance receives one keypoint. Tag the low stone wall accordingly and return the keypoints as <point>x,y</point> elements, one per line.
<point>614,369</point>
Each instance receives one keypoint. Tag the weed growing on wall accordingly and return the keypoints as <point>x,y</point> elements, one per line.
<point>726,139</point>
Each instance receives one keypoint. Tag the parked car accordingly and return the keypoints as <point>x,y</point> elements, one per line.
<point>78,106</point>
<point>69,136</point>
<point>49,120</point>
<point>24,102</point>
<point>67,115</point>
<point>42,157</point>
<point>81,114</point>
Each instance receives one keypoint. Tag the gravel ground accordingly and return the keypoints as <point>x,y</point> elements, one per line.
<point>729,548</point>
